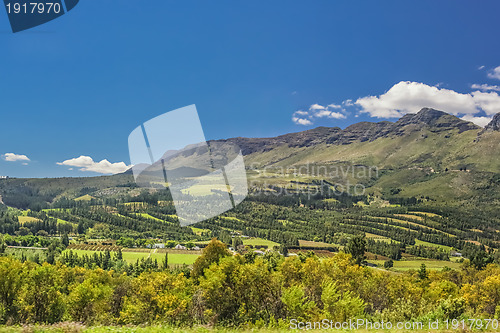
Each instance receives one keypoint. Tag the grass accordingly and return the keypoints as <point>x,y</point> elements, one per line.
<point>132,257</point>
<point>176,258</point>
<point>199,231</point>
<point>444,247</point>
<point>256,242</point>
<point>313,244</point>
<point>24,219</point>
<point>147,216</point>
<point>85,197</point>
<point>405,265</point>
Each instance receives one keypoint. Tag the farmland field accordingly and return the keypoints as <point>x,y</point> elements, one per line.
<point>132,257</point>
<point>313,244</point>
<point>24,219</point>
<point>405,265</point>
<point>256,242</point>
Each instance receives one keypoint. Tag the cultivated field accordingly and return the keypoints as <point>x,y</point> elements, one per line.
<point>131,257</point>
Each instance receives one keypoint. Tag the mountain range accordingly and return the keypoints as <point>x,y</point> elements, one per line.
<point>428,154</point>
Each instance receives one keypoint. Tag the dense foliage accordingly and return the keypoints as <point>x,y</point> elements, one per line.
<point>236,290</point>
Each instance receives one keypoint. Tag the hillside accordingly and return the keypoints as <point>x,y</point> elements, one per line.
<point>431,154</point>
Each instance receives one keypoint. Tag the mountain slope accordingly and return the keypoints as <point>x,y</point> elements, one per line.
<point>430,153</point>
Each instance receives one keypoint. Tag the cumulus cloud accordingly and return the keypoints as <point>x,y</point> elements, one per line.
<point>318,111</point>
<point>489,102</point>
<point>301,121</point>
<point>481,121</point>
<point>86,163</point>
<point>494,73</point>
<point>477,106</point>
<point>485,87</point>
<point>409,97</point>
<point>11,157</point>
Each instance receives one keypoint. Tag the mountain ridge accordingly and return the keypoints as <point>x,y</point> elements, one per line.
<point>426,118</point>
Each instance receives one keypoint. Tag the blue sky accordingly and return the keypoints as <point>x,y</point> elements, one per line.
<point>77,86</point>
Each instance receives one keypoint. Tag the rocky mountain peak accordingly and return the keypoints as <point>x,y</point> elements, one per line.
<point>494,124</point>
<point>437,120</point>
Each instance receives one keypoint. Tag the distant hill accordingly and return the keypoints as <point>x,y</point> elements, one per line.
<point>431,154</point>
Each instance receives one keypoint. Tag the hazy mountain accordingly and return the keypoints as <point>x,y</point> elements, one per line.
<point>431,153</point>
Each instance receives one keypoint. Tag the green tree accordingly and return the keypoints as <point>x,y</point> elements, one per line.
<point>119,254</point>
<point>165,262</point>
<point>422,272</point>
<point>65,240</point>
<point>41,300</point>
<point>237,242</point>
<point>357,248</point>
<point>212,253</point>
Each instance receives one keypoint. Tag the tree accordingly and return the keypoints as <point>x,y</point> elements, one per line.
<point>3,246</point>
<point>422,272</point>
<point>23,231</point>
<point>81,228</point>
<point>388,264</point>
<point>65,240</point>
<point>357,248</point>
<point>40,300</point>
<point>119,254</point>
<point>165,262</point>
<point>170,244</point>
<point>212,253</point>
<point>284,250</point>
<point>237,242</point>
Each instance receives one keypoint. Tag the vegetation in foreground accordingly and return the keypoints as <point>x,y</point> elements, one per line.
<point>77,328</point>
<point>224,290</point>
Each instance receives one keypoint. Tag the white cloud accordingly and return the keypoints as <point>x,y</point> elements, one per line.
<point>318,111</point>
<point>409,97</point>
<point>494,73</point>
<point>316,107</point>
<point>334,106</point>
<point>485,87</point>
<point>11,157</point>
<point>489,102</point>
<point>481,121</point>
<point>481,67</point>
<point>86,163</point>
<point>301,113</point>
<point>301,121</point>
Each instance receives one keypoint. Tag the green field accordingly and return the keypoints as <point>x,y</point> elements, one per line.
<point>444,247</point>
<point>405,265</point>
<point>85,197</point>
<point>256,242</point>
<point>149,217</point>
<point>24,219</point>
<point>132,257</point>
<point>199,231</point>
